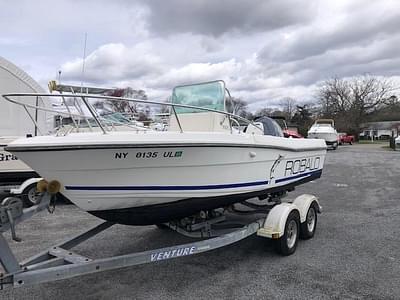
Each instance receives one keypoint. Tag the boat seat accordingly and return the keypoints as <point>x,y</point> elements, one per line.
<point>200,121</point>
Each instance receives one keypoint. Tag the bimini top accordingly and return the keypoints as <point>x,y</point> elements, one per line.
<point>324,122</point>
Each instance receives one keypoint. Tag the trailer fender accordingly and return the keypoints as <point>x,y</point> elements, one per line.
<point>274,225</point>
<point>303,203</point>
<point>24,185</point>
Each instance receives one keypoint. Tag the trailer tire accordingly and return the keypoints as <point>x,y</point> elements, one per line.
<point>162,226</point>
<point>30,195</point>
<point>308,227</point>
<point>287,243</point>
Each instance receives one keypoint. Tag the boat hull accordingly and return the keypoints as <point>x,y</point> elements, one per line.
<point>325,132</point>
<point>329,137</point>
<point>13,170</point>
<point>139,184</point>
<point>161,213</point>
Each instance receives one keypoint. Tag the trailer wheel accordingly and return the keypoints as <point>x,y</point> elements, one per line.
<point>30,196</point>
<point>162,226</point>
<point>308,227</point>
<point>287,243</point>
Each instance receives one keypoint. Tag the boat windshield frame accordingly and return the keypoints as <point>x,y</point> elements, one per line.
<point>197,92</point>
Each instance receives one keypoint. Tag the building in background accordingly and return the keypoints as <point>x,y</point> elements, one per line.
<point>14,121</point>
<point>380,130</point>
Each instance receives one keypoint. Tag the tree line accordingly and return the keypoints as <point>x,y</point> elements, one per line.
<point>349,101</point>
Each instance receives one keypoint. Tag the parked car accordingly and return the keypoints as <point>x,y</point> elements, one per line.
<point>345,138</point>
<point>287,133</point>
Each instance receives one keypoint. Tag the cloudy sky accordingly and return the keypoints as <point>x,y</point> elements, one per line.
<point>264,49</point>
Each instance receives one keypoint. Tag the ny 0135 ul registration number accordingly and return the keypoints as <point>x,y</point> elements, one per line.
<point>150,154</point>
<point>156,154</point>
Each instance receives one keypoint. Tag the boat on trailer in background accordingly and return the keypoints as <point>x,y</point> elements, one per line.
<point>324,129</point>
<point>15,175</point>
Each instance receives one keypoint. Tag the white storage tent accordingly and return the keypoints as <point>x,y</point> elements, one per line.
<point>14,121</point>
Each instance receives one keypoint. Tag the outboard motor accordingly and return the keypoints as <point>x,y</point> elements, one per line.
<point>270,126</point>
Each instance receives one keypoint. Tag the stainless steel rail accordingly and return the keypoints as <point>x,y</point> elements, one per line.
<point>98,119</point>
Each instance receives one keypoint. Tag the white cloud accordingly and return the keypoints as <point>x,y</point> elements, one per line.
<point>264,51</point>
<point>113,62</point>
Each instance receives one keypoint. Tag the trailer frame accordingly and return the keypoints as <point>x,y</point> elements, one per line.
<point>61,262</point>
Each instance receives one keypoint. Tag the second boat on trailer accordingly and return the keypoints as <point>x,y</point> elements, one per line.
<point>204,161</point>
<point>324,129</point>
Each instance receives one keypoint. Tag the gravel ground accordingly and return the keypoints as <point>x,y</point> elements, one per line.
<point>355,253</point>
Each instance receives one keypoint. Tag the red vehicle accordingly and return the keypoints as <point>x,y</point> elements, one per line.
<point>292,134</point>
<point>286,132</point>
<point>345,138</point>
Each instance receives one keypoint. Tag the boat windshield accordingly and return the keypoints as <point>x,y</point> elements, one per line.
<point>207,95</point>
<point>108,119</point>
<point>116,117</point>
<point>323,122</point>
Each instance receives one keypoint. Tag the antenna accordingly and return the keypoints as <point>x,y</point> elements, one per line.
<point>83,62</point>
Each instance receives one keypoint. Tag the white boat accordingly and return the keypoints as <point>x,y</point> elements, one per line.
<point>324,129</point>
<point>15,123</point>
<point>202,162</point>
<point>74,116</point>
<point>397,143</point>
<point>12,170</point>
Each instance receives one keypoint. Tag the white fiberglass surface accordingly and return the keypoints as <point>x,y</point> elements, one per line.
<point>10,163</point>
<point>319,127</point>
<point>97,179</point>
<point>330,137</point>
<point>322,130</point>
<point>157,138</point>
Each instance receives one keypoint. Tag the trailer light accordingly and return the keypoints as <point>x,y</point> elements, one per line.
<point>275,235</point>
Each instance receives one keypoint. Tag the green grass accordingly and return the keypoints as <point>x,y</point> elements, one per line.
<point>387,147</point>
<point>373,142</point>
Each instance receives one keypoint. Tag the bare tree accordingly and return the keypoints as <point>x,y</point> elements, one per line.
<point>165,109</point>
<point>393,100</point>
<point>266,111</point>
<point>288,106</point>
<point>237,106</point>
<point>303,117</point>
<point>348,101</point>
<point>126,106</point>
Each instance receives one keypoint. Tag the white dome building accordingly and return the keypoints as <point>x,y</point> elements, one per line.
<point>14,121</point>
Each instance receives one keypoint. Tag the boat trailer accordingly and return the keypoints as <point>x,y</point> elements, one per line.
<point>283,222</point>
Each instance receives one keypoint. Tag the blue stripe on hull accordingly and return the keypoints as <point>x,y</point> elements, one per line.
<point>166,188</point>
<point>185,187</point>
<point>298,176</point>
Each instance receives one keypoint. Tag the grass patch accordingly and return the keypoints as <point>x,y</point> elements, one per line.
<point>373,142</point>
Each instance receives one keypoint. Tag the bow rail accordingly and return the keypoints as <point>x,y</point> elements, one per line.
<point>100,120</point>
